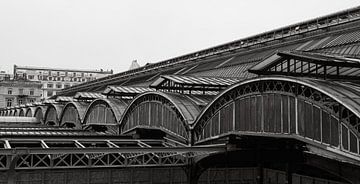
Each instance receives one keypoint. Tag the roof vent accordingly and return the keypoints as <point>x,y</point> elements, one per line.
<point>134,65</point>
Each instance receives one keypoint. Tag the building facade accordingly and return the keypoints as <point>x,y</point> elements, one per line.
<point>18,92</point>
<point>55,79</point>
<point>5,76</point>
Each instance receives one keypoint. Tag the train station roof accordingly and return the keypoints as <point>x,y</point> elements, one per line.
<point>192,83</point>
<point>310,64</point>
<point>88,95</point>
<point>125,90</point>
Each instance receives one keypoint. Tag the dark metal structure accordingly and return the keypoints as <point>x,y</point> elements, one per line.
<point>278,107</point>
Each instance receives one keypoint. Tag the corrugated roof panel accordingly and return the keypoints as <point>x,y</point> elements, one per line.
<point>127,89</point>
<point>64,99</point>
<point>88,95</point>
<point>319,43</point>
<point>210,81</point>
<point>238,71</point>
<point>344,39</point>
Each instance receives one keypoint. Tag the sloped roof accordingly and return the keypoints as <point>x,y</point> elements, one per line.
<point>64,99</point>
<point>195,81</point>
<point>49,101</point>
<point>125,90</point>
<point>309,64</point>
<point>88,95</point>
<point>319,34</point>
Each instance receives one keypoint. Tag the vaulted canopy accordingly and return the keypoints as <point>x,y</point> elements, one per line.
<point>73,114</point>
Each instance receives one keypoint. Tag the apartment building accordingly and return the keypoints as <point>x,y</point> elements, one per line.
<point>55,79</point>
<point>15,92</point>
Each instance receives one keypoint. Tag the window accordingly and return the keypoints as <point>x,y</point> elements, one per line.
<point>20,101</point>
<point>49,93</point>
<point>58,85</point>
<point>90,74</point>
<point>58,73</point>
<point>9,102</point>
<point>83,80</point>
<point>50,78</point>
<point>31,100</point>
<point>31,92</point>
<point>58,78</point>
<point>45,78</point>
<point>75,79</point>
<point>10,91</point>
<point>49,85</point>
<point>74,74</point>
<point>66,73</point>
<point>30,76</point>
<point>21,91</point>
<point>66,85</point>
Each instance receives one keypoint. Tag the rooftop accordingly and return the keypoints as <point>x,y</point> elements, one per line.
<point>63,69</point>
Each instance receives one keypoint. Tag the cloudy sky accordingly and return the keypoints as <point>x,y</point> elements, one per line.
<point>109,34</point>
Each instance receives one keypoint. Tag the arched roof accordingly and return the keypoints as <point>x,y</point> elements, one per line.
<point>15,112</point>
<point>80,107</point>
<point>30,110</point>
<point>117,106</point>
<point>347,94</point>
<point>22,110</point>
<point>58,108</point>
<point>185,106</point>
<point>40,108</point>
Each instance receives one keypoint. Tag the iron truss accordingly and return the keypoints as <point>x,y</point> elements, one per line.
<point>84,153</point>
<point>283,87</point>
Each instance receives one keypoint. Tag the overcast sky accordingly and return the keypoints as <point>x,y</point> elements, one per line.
<point>109,34</point>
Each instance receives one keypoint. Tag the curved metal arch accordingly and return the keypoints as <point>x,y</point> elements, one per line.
<point>325,87</point>
<point>42,110</point>
<point>15,113</point>
<point>9,112</point>
<point>339,100</point>
<point>178,103</point>
<point>22,112</point>
<point>80,108</point>
<point>58,108</point>
<point>117,107</point>
<point>30,110</point>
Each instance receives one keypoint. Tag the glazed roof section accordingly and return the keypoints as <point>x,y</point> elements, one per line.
<point>125,90</point>
<point>64,99</point>
<point>195,81</point>
<point>309,64</point>
<point>88,96</point>
<point>295,32</point>
<point>192,85</point>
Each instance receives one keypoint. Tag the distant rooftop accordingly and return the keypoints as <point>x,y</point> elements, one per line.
<point>63,69</point>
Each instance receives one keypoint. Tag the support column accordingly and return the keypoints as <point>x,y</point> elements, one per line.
<point>11,173</point>
<point>260,174</point>
<point>192,175</point>
<point>289,173</point>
